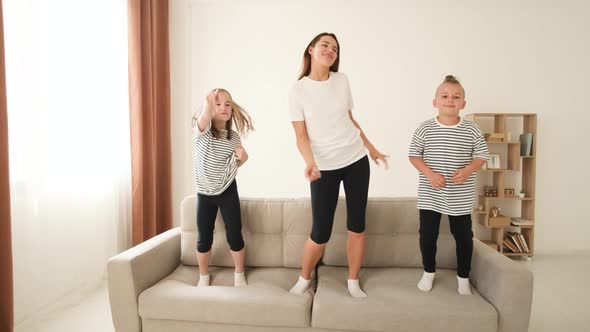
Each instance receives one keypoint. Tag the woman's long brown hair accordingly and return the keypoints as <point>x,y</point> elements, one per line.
<point>306,65</point>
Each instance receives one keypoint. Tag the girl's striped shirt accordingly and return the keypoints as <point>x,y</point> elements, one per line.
<point>215,161</point>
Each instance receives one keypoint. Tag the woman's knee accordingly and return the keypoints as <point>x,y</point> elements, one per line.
<point>356,235</point>
<point>320,237</point>
<point>237,245</point>
<point>357,226</point>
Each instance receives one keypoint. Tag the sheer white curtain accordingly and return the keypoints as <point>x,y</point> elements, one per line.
<point>68,120</point>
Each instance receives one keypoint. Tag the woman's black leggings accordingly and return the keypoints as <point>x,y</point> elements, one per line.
<point>324,197</point>
<point>229,204</point>
<point>461,229</point>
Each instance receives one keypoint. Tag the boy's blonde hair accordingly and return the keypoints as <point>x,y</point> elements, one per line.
<point>239,117</point>
<point>451,80</point>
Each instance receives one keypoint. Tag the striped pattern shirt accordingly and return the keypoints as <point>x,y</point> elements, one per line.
<point>215,161</point>
<point>446,149</point>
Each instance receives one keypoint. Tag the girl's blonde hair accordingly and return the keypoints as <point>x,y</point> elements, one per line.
<point>239,118</point>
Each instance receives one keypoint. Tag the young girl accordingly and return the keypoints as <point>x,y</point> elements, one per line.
<point>218,154</point>
<point>447,150</point>
<point>333,146</point>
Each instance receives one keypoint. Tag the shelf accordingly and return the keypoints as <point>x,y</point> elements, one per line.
<point>522,226</point>
<point>486,213</point>
<point>498,170</point>
<point>493,227</point>
<point>517,253</point>
<point>530,222</point>
<point>502,142</point>
<point>504,198</point>
<point>516,172</point>
<point>502,114</point>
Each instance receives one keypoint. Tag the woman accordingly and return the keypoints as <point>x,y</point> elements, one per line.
<point>333,146</point>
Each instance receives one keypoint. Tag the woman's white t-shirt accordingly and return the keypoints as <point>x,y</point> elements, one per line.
<point>324,105</point>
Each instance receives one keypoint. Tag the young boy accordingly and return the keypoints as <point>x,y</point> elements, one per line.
<point>447,150</point>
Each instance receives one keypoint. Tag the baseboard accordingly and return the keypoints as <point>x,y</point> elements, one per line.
<point>562,252</point>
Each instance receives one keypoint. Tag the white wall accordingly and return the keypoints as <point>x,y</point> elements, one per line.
<point>530,58</point>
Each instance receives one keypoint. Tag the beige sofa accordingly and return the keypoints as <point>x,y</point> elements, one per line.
<point>152,286</point>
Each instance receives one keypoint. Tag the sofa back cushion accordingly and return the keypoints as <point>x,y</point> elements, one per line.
<point>392,236</point>
<point>274,232</point>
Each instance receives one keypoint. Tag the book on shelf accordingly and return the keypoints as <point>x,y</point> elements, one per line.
<point>526,144</point>
<point>512,238</point>
<point>509,245</point>
<point>518,241</point>
<point>526,246</point>
<point>521,222</point>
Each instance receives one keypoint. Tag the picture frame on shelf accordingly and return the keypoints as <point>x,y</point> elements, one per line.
<point>490,191</point>
<point>508,192</point>
<point>494,161</point>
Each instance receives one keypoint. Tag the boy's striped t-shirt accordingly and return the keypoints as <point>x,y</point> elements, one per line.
<point>215,161</point>
<point>446,149</point>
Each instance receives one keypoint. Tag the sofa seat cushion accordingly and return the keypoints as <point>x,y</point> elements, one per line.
<point>265,301</point>
<point>394,303</point>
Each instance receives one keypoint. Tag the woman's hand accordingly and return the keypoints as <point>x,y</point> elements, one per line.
<point>379,157</point>
<point>312,173</point>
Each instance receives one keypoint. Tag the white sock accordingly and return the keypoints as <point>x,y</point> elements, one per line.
<point>301,286</point>
<point>425,283</point>
<point>464,287</point>
<point>203,281</point>
<point>355,289</point>
<point>239,279</point>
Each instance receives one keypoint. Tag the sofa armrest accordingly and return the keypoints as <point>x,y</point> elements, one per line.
<point>136,269</point>
<point>507,285</point>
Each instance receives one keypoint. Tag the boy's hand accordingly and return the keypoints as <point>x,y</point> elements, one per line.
<point>436,180</point>
<point>378,156</point>
<point>312,173</point>
<point>461,175</point>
